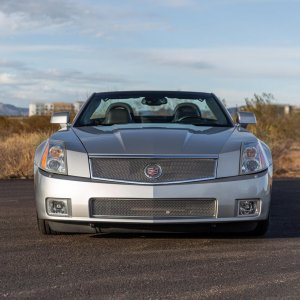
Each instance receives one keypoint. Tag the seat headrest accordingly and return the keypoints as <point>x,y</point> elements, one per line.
<point>118,115</point>
<point>183,110</point>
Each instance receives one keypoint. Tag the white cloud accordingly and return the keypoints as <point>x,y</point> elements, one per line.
<point>21,48</point>
<point>27,16</point>
<point>7,64</point>
<point>61,16</point>
<point>235,62</point>
<point>232,73</point>
<point>7,78</point>
<point>10,23</point>
<point>56,11</point>
<point>24,85</point>
<point>175,3</point>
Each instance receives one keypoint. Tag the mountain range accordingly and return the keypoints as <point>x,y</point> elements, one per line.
<point>11,110</point>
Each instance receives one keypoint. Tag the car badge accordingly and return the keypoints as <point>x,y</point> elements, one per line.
<point>153,171</point>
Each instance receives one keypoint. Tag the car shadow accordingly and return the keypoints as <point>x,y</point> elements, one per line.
<point>170,235</point>
<point>285,209</point>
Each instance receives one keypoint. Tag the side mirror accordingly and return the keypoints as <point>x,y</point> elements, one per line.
<point>62,118</point>
<point>245,118</point>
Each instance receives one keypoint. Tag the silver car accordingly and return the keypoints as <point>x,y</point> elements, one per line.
<point>153,160</point>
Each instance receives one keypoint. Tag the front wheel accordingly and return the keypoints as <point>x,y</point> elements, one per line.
<point>261,228</point>
<point>44,227</point>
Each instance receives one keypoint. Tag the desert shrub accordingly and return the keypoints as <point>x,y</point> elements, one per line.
<point>275,128</point>
<point>10,125</point>
<point>17,154</point>
<point>19,138</point>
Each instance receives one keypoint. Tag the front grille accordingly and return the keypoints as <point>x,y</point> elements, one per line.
<point>172,169</point>
<point>116,207</point>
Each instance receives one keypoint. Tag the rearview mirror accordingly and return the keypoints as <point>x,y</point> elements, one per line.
<point>245,118</point>
<point>62,118</point>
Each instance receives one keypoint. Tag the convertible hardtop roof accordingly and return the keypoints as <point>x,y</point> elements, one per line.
<point>137,94</point>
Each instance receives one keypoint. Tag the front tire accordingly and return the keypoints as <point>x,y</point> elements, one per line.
<point>44,227</point>
<point>261,228</point>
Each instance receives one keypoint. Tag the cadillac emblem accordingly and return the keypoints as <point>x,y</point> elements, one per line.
<point>153,171</point>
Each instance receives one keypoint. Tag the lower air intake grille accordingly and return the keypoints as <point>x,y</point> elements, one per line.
<point>114,207</point>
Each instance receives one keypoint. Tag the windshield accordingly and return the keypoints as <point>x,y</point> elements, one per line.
<point>107,109</point>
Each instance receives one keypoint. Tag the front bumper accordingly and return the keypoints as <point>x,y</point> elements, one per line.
<point>226,191</point>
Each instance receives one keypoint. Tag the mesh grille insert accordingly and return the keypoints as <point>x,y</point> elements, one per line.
<point>172,169</point>
<point>115,207</point>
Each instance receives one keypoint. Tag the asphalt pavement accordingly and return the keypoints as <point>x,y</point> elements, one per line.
<point>148,266</point>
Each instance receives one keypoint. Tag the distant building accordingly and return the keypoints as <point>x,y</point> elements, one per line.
<point>286,109</point>
<point>283,109</point>
<point>36,109</point>
<point>47,109</point>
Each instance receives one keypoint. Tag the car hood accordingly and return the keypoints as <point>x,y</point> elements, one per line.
<point>154,141</point>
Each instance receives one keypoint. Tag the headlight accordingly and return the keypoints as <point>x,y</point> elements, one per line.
<point>54,157</point>
<point>252,158</point>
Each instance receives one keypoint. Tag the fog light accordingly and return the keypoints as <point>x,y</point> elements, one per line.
<point>58,207</point>
<point>248,207</point>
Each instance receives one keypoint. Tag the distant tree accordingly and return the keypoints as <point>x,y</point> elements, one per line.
<point>263,106</point>
<point>273,126</point>
<point>257,100</point>
<point>224,102</point>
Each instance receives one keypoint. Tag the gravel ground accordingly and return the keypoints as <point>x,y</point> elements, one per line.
<point>148,266</point>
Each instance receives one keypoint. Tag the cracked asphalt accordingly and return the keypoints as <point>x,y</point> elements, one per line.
<point>148,266</point>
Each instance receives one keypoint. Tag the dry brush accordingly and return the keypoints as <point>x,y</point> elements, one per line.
<point>20,136</point>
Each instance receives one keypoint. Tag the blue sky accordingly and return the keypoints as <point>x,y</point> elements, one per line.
<point>63,50</point>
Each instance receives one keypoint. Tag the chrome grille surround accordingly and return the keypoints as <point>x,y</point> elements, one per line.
<point>153,208</point>
<point>176,169</point>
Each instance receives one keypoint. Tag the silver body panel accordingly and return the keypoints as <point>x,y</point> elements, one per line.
<point>226,192</point>
<point>209,142</point>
